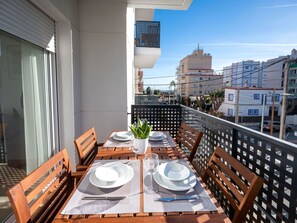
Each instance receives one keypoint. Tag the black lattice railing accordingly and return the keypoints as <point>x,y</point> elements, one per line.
<point>161,117</point>
<point>147,34</point>
<point>273,159</point>
<point>269,157</point>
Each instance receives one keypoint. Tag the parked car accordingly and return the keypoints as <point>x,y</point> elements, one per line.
<point>275,126</point>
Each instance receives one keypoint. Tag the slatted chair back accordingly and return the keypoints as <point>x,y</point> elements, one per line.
<point>190,138</point>
<point>87,148</point>
<point>40,196</point>
<point>238,184</point>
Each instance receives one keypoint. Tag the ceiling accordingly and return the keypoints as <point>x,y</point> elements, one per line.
<point>160,4</point>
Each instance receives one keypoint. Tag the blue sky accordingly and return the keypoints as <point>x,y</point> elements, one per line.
<point>230,30</point>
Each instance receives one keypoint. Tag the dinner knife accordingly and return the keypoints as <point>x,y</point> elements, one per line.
<point>113,198</point>
<point>168,199</point>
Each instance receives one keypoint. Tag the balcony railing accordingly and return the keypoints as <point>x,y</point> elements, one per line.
<point>269,157</point>
<point>147,34</point>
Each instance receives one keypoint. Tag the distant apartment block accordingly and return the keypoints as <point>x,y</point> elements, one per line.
<point>250,102</point>
<point>292,75</point>
<point>273,73</point>
<point>243,74</point>
<point>195,77</point>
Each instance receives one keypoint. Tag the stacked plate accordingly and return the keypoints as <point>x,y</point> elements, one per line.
<point>111,175</point>
<point>175,176</point>
<point>157,136</point>
<point>122,136</point>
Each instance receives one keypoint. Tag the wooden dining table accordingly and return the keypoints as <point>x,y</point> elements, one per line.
<point>125,153</point>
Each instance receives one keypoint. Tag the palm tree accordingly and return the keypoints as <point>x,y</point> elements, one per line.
<point>172,83</point>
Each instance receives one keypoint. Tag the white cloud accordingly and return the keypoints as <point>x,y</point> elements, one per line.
<point>279,6</point>
<point>252,44</point>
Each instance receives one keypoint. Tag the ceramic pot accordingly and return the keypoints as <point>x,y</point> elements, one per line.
<point>140,146</point>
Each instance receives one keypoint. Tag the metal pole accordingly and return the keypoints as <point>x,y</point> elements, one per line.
<point>237,106</point>
<point>272,112</point>
<point>263,110</point>
<point>284,101</point>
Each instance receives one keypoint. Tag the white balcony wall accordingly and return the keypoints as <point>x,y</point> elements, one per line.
<point>131,71</point>
<point>103,63</point>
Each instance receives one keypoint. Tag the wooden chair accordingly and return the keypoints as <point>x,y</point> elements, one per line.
<point>40,196</point>
<point>87,148</point>
<point>190,138</point>
<point>238,184</point>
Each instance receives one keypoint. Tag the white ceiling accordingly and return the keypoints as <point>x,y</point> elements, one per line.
<point>160,4</point>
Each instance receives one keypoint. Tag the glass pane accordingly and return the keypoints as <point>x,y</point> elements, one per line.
<point>25,126</point>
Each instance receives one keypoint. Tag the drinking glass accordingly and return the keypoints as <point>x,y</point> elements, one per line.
<point>151,163</point>
<point>135,151</point>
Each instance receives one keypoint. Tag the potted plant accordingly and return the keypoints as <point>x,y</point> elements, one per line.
<point>141,131</point>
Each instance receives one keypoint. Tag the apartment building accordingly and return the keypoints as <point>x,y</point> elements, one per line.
<point>273,72</point>
<point>251,102</point>
<point>243,74</point>
<point>195,77</point>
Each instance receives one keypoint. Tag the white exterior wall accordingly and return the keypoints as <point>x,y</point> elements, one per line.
<point>247,101</point>
<point>103,59</point>
<point>95,51</point>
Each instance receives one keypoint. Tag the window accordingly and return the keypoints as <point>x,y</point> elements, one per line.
<point>276,98</point>
<point>253,112</point>
<point>230,97</point>
<point>256,96</point>
<point>230,112</point>
<point>201,78</point>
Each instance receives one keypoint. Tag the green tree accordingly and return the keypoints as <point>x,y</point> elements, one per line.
<point>157,92</point>
<point>148,91</point>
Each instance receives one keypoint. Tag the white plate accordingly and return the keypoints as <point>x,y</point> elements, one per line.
<point>111,172</point>
<point>155,134</point>
<point>122,136</point>
<point>176,185</point>
<point>119,182</point>
<point>174,171</point>
<point>160,137</point>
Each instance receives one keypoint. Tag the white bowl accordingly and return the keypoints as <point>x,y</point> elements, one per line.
<point>174,171</point>
<point>155,134</point>
<point>111,173</point>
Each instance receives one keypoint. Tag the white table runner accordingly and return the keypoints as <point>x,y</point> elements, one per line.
<point>130,204</point>
<point>203,203</point>
<point>167,143</point>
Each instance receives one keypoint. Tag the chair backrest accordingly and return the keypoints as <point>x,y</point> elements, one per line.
<point>87,148</point>
<point>190,138</point>
<point>238,184</point>
<point>40,196</point>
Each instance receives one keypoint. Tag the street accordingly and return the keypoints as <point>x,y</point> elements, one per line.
<point>289,136</point>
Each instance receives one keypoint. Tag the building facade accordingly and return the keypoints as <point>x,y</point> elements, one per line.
<point>243,74</point>
<point>251,102</point>
<point>194,75</point>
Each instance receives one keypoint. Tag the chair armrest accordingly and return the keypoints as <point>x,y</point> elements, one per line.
<point>81,168</point>
<point>77,176</point>
<point>100,144</point>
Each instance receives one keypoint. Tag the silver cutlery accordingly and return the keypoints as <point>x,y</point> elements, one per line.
<point>113,198</point>
<point>169,199</point>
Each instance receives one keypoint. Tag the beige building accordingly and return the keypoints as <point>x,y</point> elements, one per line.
<point>195,77</point>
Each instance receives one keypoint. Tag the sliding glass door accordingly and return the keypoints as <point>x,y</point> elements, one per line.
<point>27,98</point>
